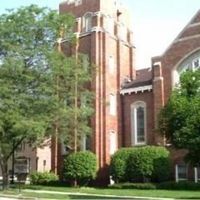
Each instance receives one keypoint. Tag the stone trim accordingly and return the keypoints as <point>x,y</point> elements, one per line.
<point>136,89</point>
<point>187,38</point>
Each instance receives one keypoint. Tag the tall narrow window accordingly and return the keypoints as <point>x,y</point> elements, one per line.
<point>44,165</point>
<point>138,123</point>
<point>181,172</point>
<point>111,64</point>
<point>87,22</point>
<point>113,104</point>
<point>113,142</point>
<point>85,143</point>
<point>109,25</point>
<point>122,32</point>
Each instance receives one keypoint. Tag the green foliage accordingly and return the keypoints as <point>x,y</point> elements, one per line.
<point>43,178</point>
<point>27,76</point>
<point>179,120</point>
<point>146,163</point>
<point>80,166</point>
<point>139,186</point>
<point>118,165</point>
<point>74,96</point>
<point>182,185</point>
<point>161,164</point>
<point>140,164</point>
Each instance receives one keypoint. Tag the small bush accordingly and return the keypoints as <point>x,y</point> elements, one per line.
<point>43,178</point>
<point>140,186</point>
<point>118,165</point>
<point>182,185</point>
<point>80,166</point>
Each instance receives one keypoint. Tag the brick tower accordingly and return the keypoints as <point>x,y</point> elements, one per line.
<point>103,32</point>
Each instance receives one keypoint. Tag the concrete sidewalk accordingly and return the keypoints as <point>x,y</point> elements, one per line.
<point>15,197</point>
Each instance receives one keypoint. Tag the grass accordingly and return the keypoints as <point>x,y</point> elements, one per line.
<point>102,191</point>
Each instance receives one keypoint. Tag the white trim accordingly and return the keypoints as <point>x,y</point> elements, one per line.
<point>195,175</point>
<point>134,106</point>
<point>195,24</point>
<point>136,89</point>
<point>196,171</point>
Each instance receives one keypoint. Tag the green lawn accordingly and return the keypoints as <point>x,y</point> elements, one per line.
<point>119,192</point>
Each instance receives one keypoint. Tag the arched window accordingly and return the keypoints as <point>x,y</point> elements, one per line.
<point>189,62</point>
<point>87,22</point>
<point>138,123</point>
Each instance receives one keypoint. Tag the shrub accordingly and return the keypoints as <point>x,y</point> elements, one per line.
<point>148,163</point>
<point>140,186</point>
<point>118,165</point>
<point>161,164</point>
<point>43,178</point>
<point>182,185</point>
<point>140,164</point>
<point>80,166</point>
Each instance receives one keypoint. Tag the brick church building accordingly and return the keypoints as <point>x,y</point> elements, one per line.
<point>128,100</point>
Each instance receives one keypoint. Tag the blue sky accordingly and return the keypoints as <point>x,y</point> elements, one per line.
<point>155,23</point>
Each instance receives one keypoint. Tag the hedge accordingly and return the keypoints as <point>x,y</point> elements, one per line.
<point>182,185</point>
<point>139,186</point>
<point>43,178</point>
<point>140,164</point>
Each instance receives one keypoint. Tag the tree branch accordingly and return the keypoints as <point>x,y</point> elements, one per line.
<point>15,146</point>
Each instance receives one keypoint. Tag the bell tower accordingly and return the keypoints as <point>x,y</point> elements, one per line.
<point>104,34</point>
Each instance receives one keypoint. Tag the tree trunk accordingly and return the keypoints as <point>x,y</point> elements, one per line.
<point>4,168</point>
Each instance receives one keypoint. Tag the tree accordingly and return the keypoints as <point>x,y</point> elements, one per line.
<point>74,75</point>
<point>179,120</point>
<point>28,98</point>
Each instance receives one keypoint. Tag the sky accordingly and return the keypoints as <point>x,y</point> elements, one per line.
<point>155,23</point>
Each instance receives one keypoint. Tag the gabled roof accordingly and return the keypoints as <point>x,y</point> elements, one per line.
<point>194,22</point>
<point>143,78</point>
